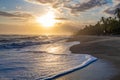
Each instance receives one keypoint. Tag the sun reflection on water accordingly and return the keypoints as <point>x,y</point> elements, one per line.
<point>52,61</point>
<point>58,48</point>
<point>53,49</point>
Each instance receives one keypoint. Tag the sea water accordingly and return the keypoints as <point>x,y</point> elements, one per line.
<point>38,57</point>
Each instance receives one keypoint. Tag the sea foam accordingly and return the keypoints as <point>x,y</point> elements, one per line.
<point>39,58</point>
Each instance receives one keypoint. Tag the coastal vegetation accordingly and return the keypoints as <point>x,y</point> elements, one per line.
<point>105,26</point>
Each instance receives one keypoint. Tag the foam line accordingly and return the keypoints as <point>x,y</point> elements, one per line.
<point>88,62</point>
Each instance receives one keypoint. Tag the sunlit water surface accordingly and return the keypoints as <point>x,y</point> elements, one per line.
<point>38,57</point>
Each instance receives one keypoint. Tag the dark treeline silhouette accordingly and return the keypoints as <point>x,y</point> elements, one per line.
<point>105,26</point>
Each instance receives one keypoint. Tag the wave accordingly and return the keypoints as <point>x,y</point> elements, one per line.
<point>36,61</point>
<point>15,42</point>
<point>42,66</point>
<point>20,45</point>
<point>81,66</point>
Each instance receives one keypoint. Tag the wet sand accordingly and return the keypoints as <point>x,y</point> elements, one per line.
<point>106,49</point>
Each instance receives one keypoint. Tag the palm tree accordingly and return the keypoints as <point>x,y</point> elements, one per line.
<point>104,21</point>
<point>117,13</point>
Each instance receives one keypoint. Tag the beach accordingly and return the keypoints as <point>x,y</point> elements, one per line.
<point>59,57</point>
<point>106,49</point>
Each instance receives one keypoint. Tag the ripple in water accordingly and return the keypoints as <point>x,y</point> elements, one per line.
<point>42,61</point>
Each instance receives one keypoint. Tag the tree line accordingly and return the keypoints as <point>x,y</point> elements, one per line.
<point>105,26</point>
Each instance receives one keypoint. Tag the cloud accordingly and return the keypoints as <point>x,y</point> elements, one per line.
<point>116,1</point>
<point>61,18</point>
<point>87,5</point>
<point>42,1</point>
<point>111,10</point>
<point>21,15</point>
<point>18,7</point>
<point>6,14</point>
<point>73,5</point>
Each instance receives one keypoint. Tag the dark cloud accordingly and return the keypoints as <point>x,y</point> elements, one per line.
<point>2,13</point>
<point>87,5</point>
<point>73,5</point>
<point>112,9</point>
<point>15,14</point>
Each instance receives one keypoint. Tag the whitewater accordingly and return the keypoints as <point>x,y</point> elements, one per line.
<point>39,57</point>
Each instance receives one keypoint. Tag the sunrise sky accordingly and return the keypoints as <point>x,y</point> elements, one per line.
<point>52,16</point>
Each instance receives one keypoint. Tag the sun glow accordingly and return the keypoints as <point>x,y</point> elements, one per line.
<point>47,20</point>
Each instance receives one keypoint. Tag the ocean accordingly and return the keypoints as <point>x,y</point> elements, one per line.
<point>38,57</point>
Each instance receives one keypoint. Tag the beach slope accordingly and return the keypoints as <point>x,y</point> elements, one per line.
<point>103,47</point>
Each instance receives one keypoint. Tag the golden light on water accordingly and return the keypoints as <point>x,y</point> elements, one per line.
<point>47,20</point>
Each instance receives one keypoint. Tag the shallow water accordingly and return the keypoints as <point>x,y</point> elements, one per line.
<point>99,70</point>
<point>38,57</point>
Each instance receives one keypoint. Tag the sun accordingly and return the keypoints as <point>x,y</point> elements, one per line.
<point>47,20</point>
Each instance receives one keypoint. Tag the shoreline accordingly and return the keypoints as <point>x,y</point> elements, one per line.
<point>102,47</point>
<point>99,70</point>
<point>105,48</point>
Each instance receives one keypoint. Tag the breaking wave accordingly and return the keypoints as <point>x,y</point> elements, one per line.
<point>39,57</point>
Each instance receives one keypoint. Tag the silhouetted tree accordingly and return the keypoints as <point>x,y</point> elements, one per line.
<point>104,21</point>
<point>117,13</point>
<point>106,26</point>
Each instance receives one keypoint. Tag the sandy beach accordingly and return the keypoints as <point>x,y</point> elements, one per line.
<point>106,49</point>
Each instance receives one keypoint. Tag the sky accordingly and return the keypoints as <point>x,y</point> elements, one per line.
<point>66,16</point>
